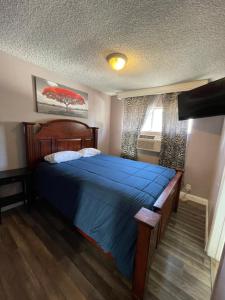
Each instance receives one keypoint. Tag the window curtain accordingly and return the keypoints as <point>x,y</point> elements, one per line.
<point>174,134</point>
<point>135,110</point>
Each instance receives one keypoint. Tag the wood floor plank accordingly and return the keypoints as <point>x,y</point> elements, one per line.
<point>54,262</point>
<point>29,254</point>
<point>185,231</point>
<point>85,286</point>
<point>181,280</point>
<point>74,253</point>
<point>178,265</point>
<point>192,248</point>
<point>66,287</point>
<point>169,287</point>
<point>3,294</point>
<point>187,227</point>
<point>171,231</point>
<point>196,222</point>
<point>9,267</point>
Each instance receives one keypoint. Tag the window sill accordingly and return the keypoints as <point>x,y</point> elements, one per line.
<point>148,150</point>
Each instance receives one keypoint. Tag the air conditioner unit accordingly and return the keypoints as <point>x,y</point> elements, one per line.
<point>149,142</point>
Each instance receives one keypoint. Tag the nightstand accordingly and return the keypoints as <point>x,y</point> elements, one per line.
<point>16,175</point>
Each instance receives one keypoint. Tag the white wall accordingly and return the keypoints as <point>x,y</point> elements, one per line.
<point>217,177</point>
<point>202,148</point>
<point>17,104</point>
<point>217,205</point>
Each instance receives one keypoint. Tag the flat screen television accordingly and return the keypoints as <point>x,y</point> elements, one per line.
<point>205,101</point>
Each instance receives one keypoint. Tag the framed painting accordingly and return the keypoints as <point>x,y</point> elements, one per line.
<point>54,98</point>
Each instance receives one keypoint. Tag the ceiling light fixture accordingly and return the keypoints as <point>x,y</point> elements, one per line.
<point>117,61</point>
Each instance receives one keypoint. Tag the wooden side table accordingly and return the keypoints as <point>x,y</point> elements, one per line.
<point>16,175</point>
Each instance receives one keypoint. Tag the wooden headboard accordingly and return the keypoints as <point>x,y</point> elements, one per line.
<point>58,135</point>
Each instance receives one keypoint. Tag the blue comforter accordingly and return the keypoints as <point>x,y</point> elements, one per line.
<point>100,195</point>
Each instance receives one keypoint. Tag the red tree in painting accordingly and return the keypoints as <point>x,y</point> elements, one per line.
<point>63,95</point>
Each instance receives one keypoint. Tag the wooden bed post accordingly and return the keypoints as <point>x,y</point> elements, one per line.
<point>30,143</point>
<point>148,224</point>
<point>95,135</point>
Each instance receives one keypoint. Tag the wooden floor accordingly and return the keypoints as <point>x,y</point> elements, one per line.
<point>41,257</point>
<point>181,270</point>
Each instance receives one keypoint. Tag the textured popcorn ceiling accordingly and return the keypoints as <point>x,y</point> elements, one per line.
<point>166,41</point>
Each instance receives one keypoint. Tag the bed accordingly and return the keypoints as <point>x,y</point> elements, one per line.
<point>122,206</point>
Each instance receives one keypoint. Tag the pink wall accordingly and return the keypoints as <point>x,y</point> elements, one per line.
<point>116,123</point>
<point>201,155</point>
<point>17,105</point>
<point>202,148</point>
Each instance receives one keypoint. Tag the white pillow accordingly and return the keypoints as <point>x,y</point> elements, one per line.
<point>87,152</point>
<point>62,156</point>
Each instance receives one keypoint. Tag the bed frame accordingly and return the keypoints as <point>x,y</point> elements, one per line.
<point>59,135</point>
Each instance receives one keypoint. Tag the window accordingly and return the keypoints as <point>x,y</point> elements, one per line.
<point>150,136</point>
<point>153,122</point>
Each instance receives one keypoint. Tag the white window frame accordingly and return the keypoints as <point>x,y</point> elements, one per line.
<point>151,131</point>
<point>150,137</point>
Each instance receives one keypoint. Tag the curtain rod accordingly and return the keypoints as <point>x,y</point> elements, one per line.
<point>173,88</point>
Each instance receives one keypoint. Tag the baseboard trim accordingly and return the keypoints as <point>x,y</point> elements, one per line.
<point>202,201</point>
<point>185,196</point>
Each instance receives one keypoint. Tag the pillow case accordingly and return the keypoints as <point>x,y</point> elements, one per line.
<point>62,156</point>
<point>87,152</point>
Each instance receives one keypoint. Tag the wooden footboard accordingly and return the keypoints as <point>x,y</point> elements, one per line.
<point>168,202</point>
<point>151,227</point>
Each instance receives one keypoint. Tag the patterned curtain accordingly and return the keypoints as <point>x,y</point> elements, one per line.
<point>135,109</point>
<point>174,134</point>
